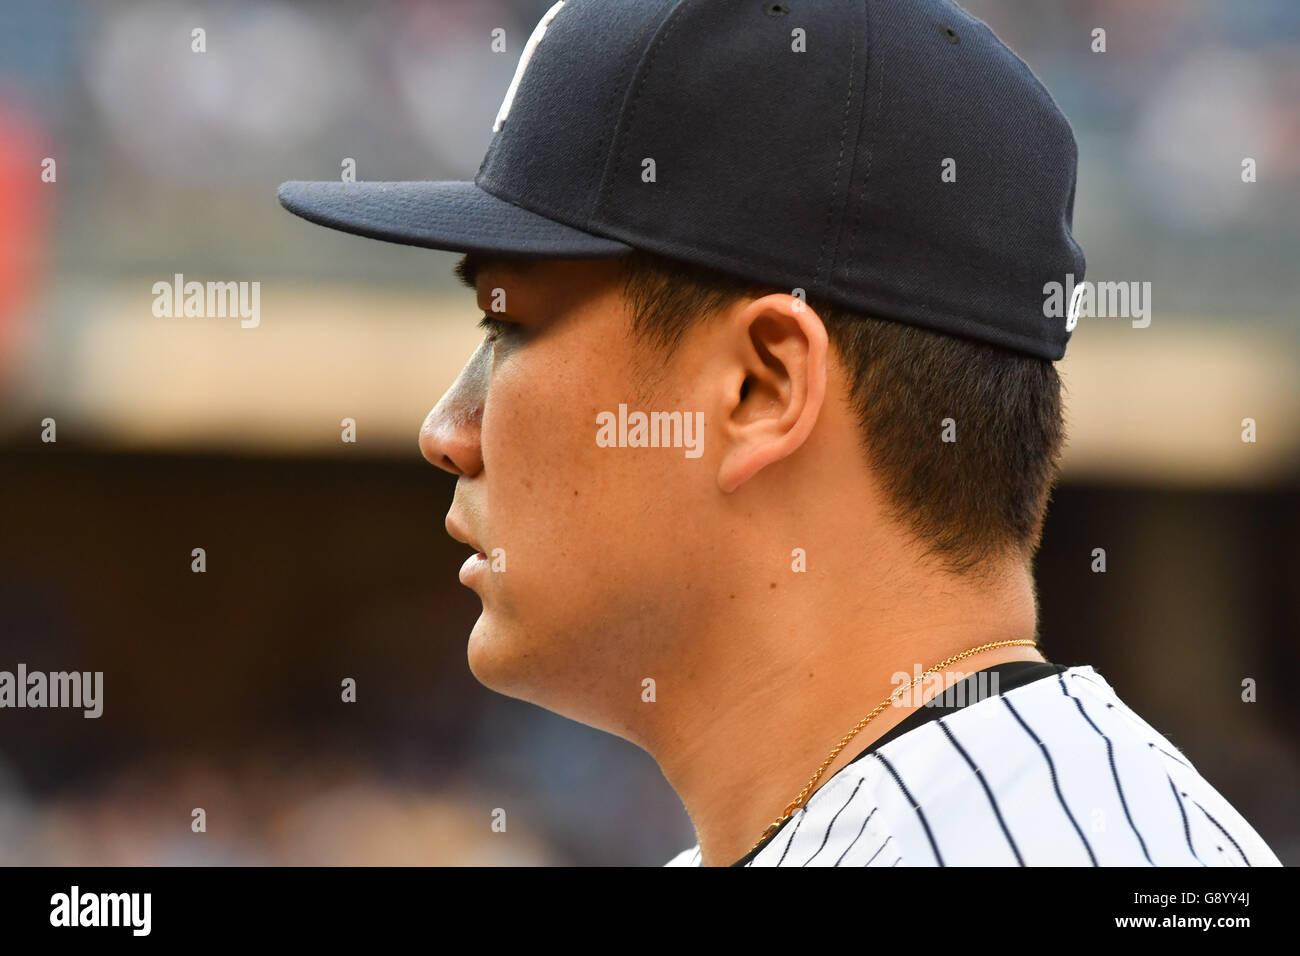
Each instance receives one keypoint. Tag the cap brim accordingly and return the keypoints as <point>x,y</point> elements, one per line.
<point>453,216</point>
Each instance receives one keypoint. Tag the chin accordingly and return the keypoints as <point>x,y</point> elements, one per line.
<point>514,662</point>
<point>480,653</point>
<point>497,660</point>
<point>545,667</point>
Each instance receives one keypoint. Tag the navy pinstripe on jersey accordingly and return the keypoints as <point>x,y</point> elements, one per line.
<point>1054,772</point>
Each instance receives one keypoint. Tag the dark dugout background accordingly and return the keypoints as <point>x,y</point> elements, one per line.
<point>328,560</point>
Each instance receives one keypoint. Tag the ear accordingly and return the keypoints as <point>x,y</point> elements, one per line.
<point>776,380</point>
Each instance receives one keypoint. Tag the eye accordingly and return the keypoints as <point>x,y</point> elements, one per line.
<point>495,327</point>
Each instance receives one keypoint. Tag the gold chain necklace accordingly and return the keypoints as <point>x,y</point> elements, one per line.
<point>803,794</point>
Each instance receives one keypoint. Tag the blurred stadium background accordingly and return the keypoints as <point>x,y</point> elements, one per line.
<point>328,560</point>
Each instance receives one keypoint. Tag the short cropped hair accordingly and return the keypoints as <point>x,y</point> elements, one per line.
<point>971,503</point>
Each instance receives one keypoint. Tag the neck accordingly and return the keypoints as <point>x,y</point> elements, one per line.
<point>770,694</point>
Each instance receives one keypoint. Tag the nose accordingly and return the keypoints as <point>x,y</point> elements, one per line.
<point>449,437</point>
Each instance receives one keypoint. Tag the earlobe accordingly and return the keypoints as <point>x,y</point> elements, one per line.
<point>740,465</point>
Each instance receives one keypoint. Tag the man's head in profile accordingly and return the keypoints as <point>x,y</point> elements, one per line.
<point>867,495</point>
<point>861,486</point>
<point>765,411</point>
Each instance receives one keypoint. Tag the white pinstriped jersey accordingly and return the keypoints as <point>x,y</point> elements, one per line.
<point>1055,772</point>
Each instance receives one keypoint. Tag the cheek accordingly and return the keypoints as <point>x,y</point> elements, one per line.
<point>542,481</point>
<point>573,517</point>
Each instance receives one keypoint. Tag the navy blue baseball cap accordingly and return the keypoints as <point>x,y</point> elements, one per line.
<point>889,157</point>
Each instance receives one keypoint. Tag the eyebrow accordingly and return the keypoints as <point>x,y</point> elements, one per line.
<point>472,263</point>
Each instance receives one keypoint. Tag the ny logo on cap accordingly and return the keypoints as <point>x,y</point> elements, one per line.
<point>524,57</point>
<point>1076,306</point>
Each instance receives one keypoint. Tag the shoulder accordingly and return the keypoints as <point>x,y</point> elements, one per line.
<point>1056,772</point>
